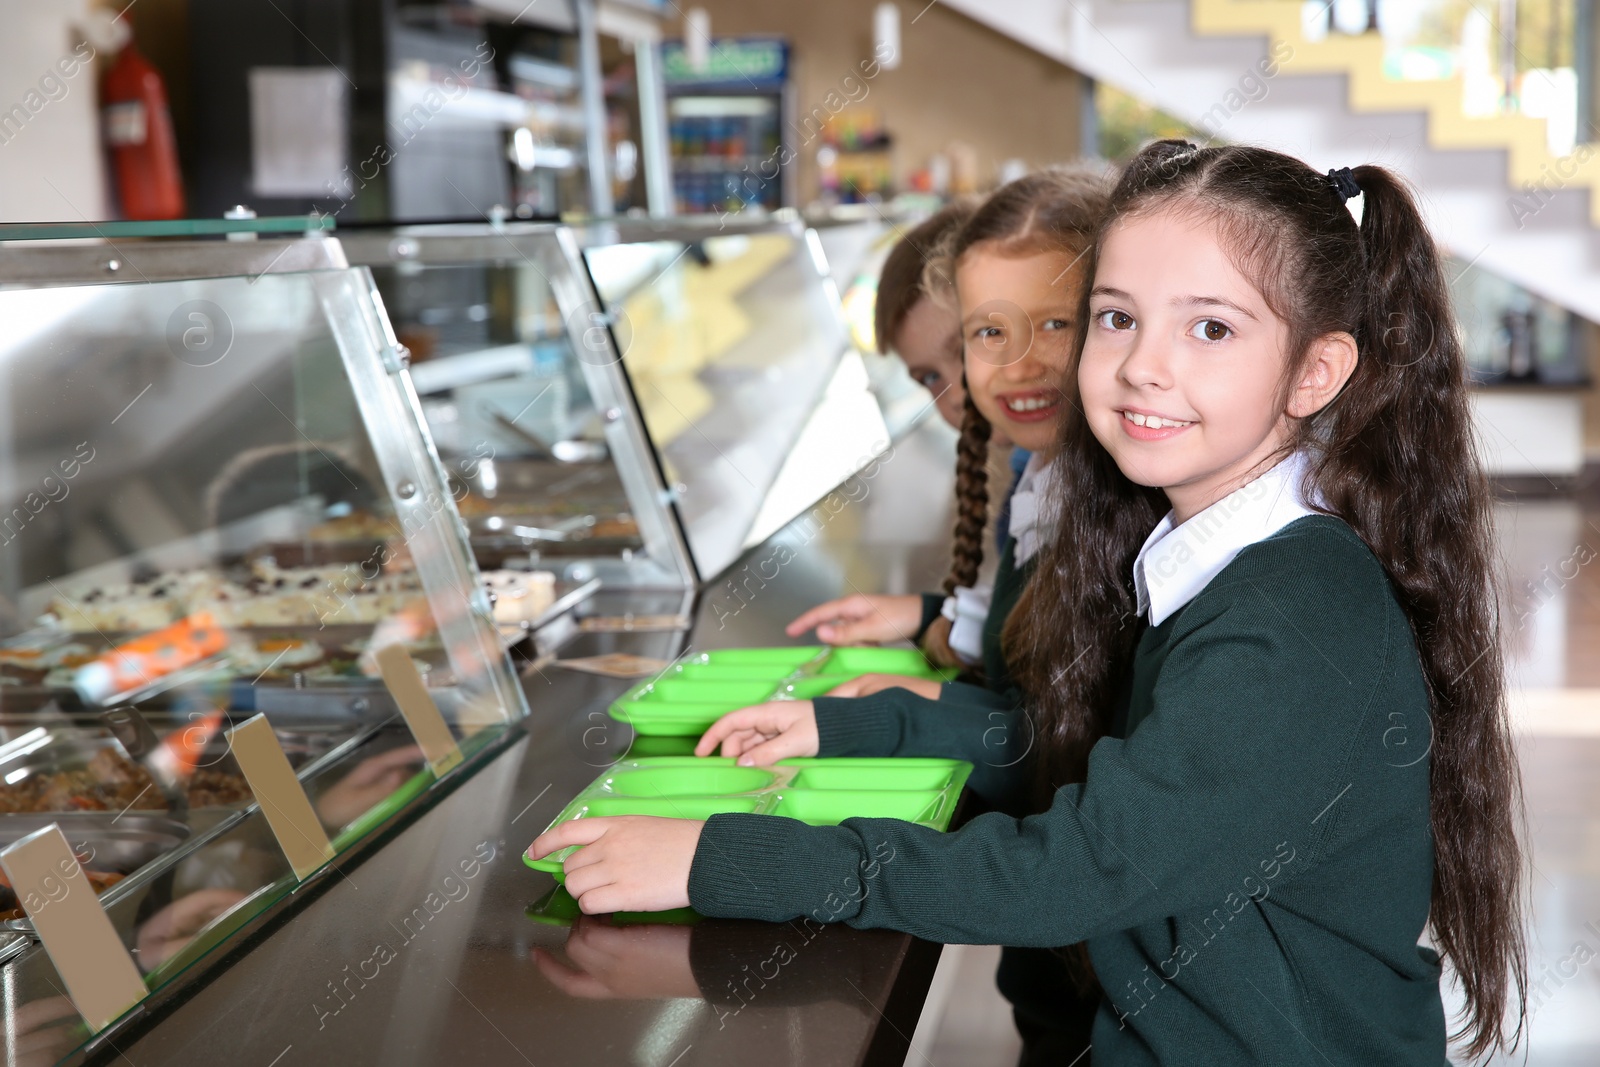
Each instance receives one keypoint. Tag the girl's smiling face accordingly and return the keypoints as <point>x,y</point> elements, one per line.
<point>1017,323</point>
<point>1183,369</point>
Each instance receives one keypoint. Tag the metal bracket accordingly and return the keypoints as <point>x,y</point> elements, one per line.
<point>396,358</point>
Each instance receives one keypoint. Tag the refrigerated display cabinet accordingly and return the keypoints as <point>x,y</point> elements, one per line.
<point>729,125</point>
<point>215,443</point>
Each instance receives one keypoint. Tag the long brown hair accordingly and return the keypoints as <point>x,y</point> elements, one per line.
<point>900,280</point>
<point>1053,210</point>
<point>1391,456</point>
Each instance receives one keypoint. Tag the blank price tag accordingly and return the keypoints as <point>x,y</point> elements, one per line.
<point>283,799</point>
<point>101,977</point>
<point>421,713</point>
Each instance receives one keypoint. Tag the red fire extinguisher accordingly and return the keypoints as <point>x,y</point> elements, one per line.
<point>138,135</point>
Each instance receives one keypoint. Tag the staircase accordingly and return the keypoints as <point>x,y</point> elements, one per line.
<point>1245,71</point>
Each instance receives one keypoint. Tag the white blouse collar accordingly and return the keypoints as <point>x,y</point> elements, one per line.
<point>1177,562</point>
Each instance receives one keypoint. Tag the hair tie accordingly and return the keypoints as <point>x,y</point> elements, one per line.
<point>1344,183</point>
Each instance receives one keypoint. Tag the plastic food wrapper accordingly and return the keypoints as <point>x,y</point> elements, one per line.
<point>146,659</point>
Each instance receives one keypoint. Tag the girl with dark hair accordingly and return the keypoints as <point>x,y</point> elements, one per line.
<point>1307,764</point>
<point>910,322</point>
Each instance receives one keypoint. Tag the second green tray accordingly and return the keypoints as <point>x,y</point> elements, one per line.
<point>691,696</point>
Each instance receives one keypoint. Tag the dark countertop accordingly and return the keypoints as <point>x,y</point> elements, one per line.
<point>422,953</point>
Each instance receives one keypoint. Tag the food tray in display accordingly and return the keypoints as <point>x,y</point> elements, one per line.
<point>70,770</point>
<point>80,763</point>
<point>108,845</point>
<point>822,792</point>
<point>692,695</point>
<point>147,842</point>
<point>257,659</point>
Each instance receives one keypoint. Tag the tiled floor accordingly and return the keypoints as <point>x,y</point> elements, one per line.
<point>1551,547</point>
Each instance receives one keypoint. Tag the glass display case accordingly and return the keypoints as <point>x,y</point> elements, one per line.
<point>736,347</point>
<point>217,501</point>
<point>520,383</point>
<point>658,395</point>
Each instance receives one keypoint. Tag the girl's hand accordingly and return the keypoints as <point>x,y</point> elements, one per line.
<point>868,684</point>
<point>762,735</point>
<point>857,620</point>
<point>627,863</point>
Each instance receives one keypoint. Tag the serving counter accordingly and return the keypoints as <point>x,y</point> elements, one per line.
<point>441,947</point>
<point>260,690</point>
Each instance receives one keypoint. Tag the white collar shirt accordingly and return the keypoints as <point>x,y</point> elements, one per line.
<point>1178,561</point>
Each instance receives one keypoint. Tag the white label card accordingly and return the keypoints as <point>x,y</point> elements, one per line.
<point>102,979</point>
<point>405,684</point>
<point>282,798</point>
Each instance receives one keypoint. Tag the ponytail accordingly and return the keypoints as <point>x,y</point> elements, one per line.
<point>1403,422</point>
<point>972,519</point>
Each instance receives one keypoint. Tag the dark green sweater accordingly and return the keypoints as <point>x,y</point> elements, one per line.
<point>998,690</point>
<point>1250,859</point>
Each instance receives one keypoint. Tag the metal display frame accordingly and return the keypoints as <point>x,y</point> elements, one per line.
<point>665,562</point>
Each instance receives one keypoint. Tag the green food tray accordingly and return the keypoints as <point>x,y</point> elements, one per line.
<point>822,792</point>
<point>688,698</point>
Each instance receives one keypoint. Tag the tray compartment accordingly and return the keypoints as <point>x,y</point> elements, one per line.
<point>681,707</point>
<point>830,807</point>
<point>859,661</point>
<point>792,658</point>
<point>675,807</point>
<point>731,672</point>
<point>689,781</point>
<point>658,720</point>
<point>685,691</point>
<point>824,776</point>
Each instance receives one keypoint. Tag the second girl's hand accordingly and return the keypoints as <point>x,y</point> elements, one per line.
<point>857,620</point>
<point>761,735</point>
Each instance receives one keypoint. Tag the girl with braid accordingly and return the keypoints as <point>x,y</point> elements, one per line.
<point>1274,784</point>
<point>1014,270</point>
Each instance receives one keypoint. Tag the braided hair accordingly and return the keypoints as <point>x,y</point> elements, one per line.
<point>1053,210</point>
